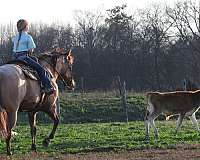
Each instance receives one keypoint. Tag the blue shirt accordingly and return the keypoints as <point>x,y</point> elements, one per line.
<point>25,43</point>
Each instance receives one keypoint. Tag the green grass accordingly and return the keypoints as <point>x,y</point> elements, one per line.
<point>96,107</point>
<point>78,138</point>
<point>100,107</point>
<point>114,135</point>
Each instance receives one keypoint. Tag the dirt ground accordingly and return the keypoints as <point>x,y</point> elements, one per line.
<point>183,152</point>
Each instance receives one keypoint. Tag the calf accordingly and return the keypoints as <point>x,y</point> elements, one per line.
<point>182,103</point>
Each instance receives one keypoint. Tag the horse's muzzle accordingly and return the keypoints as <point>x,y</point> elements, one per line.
<point>71,84</point>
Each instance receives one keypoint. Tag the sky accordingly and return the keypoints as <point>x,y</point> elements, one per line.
<point>49,11</point>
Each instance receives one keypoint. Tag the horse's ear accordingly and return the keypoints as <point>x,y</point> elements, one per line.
<point>70,57</point>
<point>58,49</point>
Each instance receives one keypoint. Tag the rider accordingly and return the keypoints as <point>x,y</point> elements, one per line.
<point>23,47</point>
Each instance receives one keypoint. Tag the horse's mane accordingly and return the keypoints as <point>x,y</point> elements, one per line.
<point>54,54</point>
<point>46,57</point>
<point>43,55</point>
<point>49,57</point>
<point>49,54</point>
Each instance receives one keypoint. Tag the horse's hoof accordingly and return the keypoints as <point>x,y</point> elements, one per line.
<point>46,142</point>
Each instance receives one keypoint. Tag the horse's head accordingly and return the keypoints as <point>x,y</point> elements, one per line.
<point>63,63</point>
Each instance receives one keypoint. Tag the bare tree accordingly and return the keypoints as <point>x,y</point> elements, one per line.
<point>186,18</point>
<point>155,32</point>
<point>88,35</point>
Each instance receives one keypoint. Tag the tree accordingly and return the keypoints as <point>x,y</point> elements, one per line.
<point>186,18</point>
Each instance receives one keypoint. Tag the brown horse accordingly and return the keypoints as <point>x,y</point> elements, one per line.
<point>19,93</point>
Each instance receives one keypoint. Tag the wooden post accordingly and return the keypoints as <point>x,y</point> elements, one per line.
<point>184,84</point>
<point>119,85</point>
<point>82,84</point>
<point>124,100</point>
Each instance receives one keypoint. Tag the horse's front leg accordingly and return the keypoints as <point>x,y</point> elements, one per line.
<point>32,122</point>
<point>54,116</point>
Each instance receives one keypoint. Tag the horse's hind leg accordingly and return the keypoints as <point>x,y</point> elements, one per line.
<point>12,118</point>
<point>32,122</point>
<point>8,145</point>
<point>54,116</point>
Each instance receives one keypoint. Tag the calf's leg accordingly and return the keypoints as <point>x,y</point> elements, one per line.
<point>150,121</point>
<point>179,122</point>
<point>194,122</point>
<point>147,126</point>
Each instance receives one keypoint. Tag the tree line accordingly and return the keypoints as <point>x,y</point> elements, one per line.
<point>155,48</point>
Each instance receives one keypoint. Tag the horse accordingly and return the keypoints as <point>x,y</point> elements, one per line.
<point>18,93</point>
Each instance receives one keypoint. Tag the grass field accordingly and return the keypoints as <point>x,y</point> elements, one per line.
<point>105,138</point>
<point>101,137</point>
<point>95,107</point>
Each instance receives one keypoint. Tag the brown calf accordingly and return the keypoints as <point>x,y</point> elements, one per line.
<point>182,103</point>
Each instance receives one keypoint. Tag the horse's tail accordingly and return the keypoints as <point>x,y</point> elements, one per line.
<point>3,123</point>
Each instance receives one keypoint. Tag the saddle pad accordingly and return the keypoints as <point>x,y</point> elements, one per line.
<point>29,72</point>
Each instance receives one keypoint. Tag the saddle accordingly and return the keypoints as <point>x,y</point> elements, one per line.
<point>26,69</point>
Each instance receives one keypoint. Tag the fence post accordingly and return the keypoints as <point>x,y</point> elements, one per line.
<point>119,85</point>
<point>184,84</point>
<point>82,84</point>
<point>124,100</point>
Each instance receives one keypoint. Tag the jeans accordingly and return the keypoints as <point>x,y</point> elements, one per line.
<point>42,73</point>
